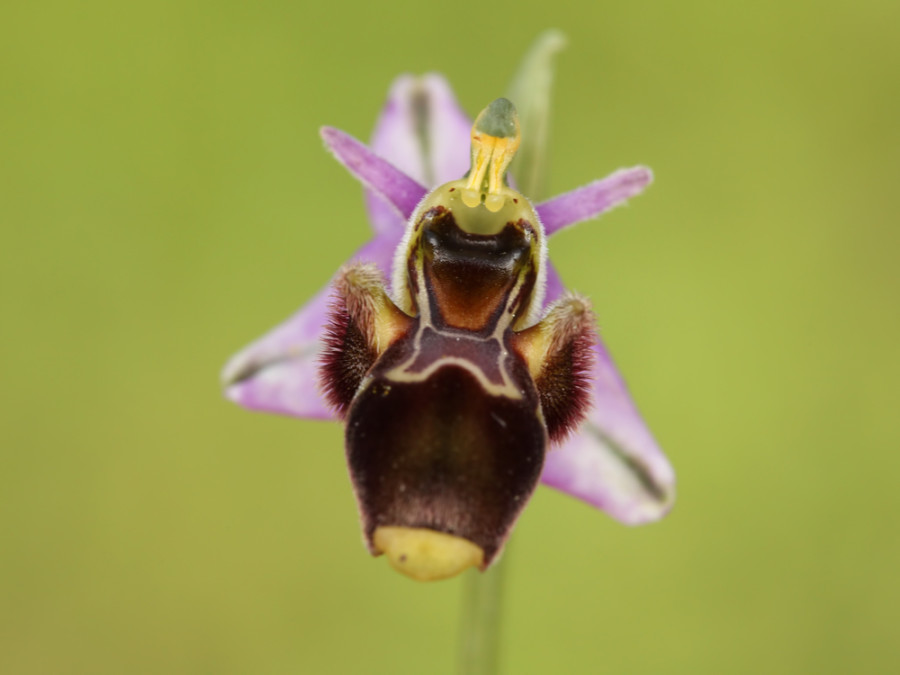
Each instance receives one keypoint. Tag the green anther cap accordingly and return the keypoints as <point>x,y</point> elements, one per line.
<point>499,119</point>
<point>495,139</point>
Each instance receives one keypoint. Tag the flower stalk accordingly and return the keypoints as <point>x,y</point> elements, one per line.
<point>482,602</point>
<point>479,644</point>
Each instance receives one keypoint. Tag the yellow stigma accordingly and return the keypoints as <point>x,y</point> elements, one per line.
<point>495,139</point>
<point>426,555</point>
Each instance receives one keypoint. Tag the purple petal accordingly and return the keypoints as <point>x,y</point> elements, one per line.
<point>398,189</point>
<point>423,109</point>
<point>397,137</point>
<point>448,130</point>
<point>419,109</point>
<point>279,372</point>
<point>613,462</point>
<point>591,200</point>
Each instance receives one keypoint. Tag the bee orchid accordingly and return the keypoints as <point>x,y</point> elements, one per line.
<point>472,376</point>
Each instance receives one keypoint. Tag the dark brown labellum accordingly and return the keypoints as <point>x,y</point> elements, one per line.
<point>450,405</point>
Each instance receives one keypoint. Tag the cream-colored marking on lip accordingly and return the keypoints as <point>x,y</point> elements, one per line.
<point>507,389</point>
<point>402,372</point>
<point>426,555</point>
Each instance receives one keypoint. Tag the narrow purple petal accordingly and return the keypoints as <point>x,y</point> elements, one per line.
<point>279,372</point>
<point>593,199</point>
<point>423,132</point>
<point>396,140</point>
<point>399,190</point>
<point>613,462</point>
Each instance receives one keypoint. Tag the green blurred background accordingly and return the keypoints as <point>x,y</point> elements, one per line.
<point>165,198</point>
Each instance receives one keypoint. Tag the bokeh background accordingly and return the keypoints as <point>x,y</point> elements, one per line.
<point>165,199</point>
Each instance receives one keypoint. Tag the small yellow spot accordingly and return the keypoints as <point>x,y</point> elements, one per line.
<point>471,197</point>
<point>494,201</point>
<point>426,555</point>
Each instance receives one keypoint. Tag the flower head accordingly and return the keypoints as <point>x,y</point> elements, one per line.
<point>447,438</point>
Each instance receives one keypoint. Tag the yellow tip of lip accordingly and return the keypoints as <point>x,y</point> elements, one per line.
<point>426,555</point>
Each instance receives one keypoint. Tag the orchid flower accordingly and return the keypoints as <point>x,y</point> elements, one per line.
<point>421,141</point>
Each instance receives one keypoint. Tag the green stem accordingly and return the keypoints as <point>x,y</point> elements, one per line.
<point>479,643</point>
<point>480,630</point>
